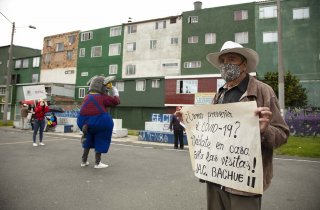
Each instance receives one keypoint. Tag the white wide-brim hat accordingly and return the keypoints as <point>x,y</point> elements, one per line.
<point>233,47</point>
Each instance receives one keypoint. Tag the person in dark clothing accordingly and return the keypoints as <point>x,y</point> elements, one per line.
<point>177,128</point>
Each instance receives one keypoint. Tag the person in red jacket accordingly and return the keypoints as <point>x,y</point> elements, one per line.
<point>39,122</point>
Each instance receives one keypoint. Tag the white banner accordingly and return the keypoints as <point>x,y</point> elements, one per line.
<point>203,98</point>
<point>224,144</point>
<point>34,92</point>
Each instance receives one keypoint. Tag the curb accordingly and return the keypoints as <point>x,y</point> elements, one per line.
<point>74,135</point>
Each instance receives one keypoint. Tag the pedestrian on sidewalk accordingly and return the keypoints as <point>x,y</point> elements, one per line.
<point>178,129</point>
<point>23,115</point>
<point>95,121</point>
<point>31,115</point>
<point>39,122</point>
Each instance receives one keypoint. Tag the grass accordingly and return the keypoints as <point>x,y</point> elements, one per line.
<point>133,132</point>
<point>301,147</point>
<point>296,146</point>
<point>9,123</point>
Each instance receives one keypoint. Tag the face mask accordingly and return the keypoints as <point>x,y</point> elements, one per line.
<point>230,72</point>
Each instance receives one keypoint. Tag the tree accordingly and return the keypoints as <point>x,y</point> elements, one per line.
<point>295,94</point>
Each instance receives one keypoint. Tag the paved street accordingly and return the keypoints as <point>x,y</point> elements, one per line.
<point>141,176</point>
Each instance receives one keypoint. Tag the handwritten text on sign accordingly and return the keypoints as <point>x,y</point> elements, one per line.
<point>224,144</point>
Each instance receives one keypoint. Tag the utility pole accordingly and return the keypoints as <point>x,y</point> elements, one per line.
<point>6,102</point>
<point>280,63</point>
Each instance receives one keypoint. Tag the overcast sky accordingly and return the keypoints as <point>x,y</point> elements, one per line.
<point>61,16</point>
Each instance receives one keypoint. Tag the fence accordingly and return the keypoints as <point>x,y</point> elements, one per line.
<point>303,121</point>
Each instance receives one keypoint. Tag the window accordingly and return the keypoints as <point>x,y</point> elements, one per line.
<point>115,31</point>
<point>240,15</point>
<point>130,69</point>
<point>241,37</point>
<point>131,47</point>
<point>160,25</point>
<point>120,86</point>
<point>155,83</point>
<point>113,69</point>
<point>174,40</point>
<point>132,29</point>
<point>85,36</point>
<point>48,90</point>
<point>300,13</point>
<point>193,39</point>
<point>140,85</point>
<point>82,52</point>
<point>187,86</point>
<point>25,63</point>
<point>36,62</point>
<point>47,58</point>
<point>84,74</point>
<point>193,19</point>
<point>96,51</point>
<point>59,47</point>
<point>114,49</point>
<point>18,64</point>
<point>2,90</point>
<point>49,43</point>
<point>82,92</point>
<point>153,44</point>
<point>210,38</point>
<point>169,65</point>
<point>173,20</point>
<point>71,39</point>
<point>192,64</point>
<point>268,12</point>
<point>69,55</point>
<point>271,36</point>
<point>35,78</point>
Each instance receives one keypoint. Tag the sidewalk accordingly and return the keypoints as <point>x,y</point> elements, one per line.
<point>76,135</point>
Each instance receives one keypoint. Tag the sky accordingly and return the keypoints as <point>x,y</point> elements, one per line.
<point>61,16</point>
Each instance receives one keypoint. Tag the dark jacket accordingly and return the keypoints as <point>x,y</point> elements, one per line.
<point>175,124</point>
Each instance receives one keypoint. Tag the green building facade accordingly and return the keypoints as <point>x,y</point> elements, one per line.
<point>210,28</point>
<point>25,57</point>
<point>95,56</point>
<point>300,38</point>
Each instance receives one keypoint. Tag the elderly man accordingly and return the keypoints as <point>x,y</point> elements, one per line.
<point>235,62</point>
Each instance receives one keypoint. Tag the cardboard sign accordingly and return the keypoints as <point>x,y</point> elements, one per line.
<point>34,92</point>
<point>224,144</point>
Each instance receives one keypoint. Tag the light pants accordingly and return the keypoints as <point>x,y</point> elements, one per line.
<point>23,122</point>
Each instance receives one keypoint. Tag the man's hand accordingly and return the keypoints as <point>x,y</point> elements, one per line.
<point>264,114</point>
<point>109,85</point>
